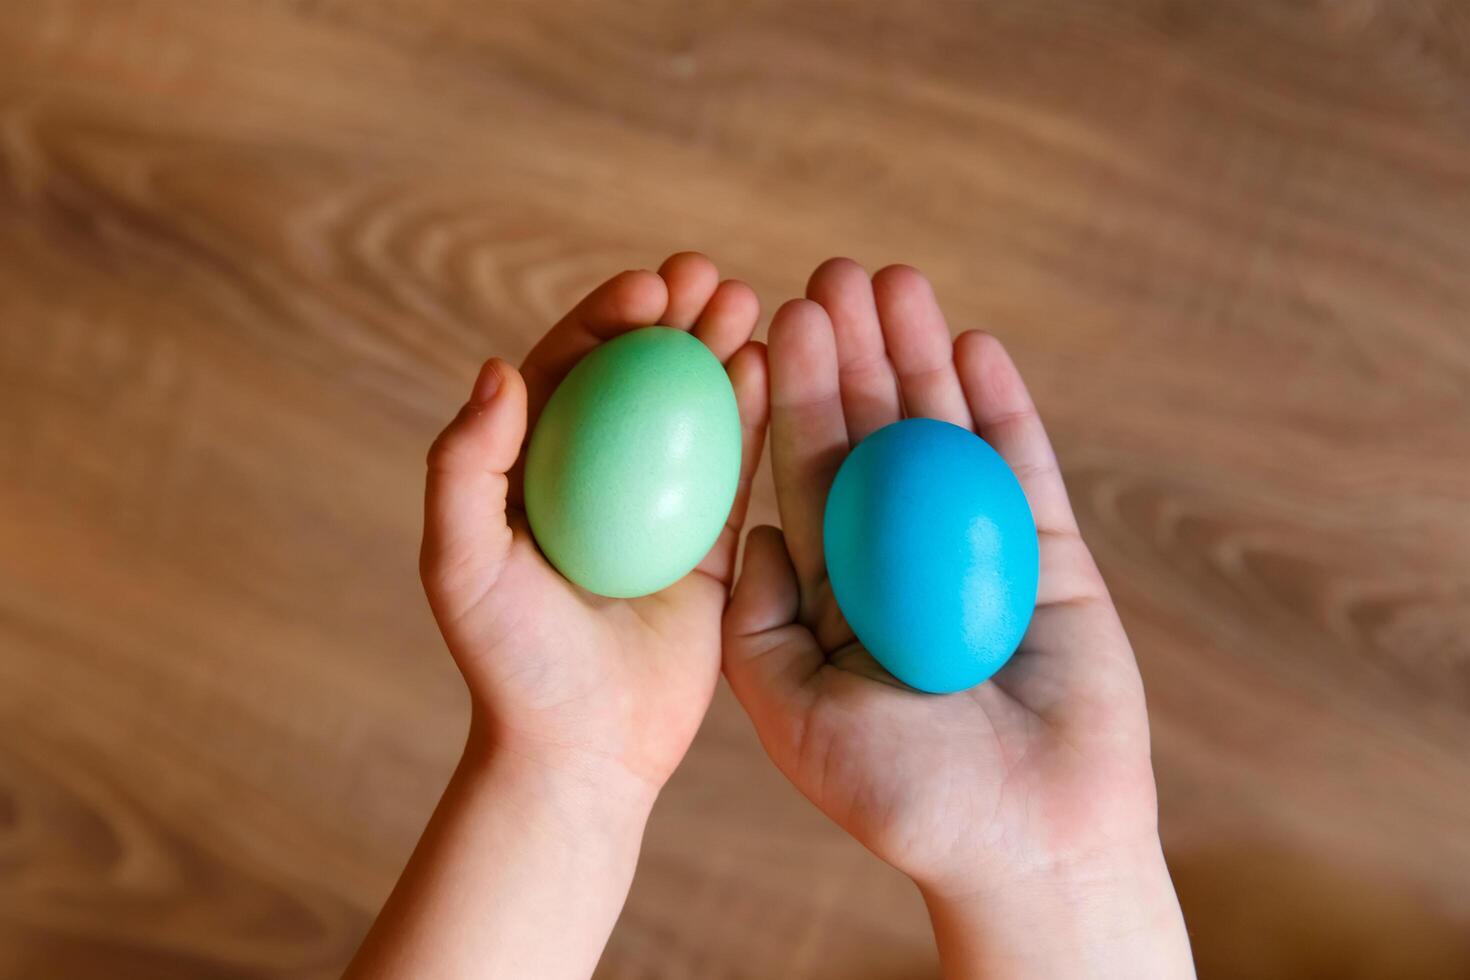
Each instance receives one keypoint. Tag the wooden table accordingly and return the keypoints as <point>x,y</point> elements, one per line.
<point>252,252</point>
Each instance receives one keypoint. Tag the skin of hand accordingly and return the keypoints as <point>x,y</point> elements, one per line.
<point>582,706</point>
<point>1025,808</point>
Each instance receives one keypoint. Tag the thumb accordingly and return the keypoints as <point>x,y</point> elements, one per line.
<point>769,657</point>
<point>466,534</point>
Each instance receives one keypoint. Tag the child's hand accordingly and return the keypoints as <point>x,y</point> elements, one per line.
<point>582,706</point>
<point>1025,808</point>
<point>601,688</point>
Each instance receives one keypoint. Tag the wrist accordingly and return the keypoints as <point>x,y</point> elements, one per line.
<point>573,788</point>
<point>522,871</point>
<point>1115,915</point>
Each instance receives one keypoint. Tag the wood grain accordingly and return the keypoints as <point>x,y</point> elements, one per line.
<point>252,252</point>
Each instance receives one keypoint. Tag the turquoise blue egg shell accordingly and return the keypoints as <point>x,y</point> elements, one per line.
<point>633,464</point>
<point>932,553</point>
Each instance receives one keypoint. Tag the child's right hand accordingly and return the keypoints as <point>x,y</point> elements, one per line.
<point>1025,808</point>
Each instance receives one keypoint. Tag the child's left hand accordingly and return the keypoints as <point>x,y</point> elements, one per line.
<point>582,706</point>
<point>609,690</point>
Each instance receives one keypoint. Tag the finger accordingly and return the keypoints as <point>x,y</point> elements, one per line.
<point>625,302</point>
<point>1075,660</point>
<point>769,659</point>
<point>808,434</point>
<point>729,318</point>
<point>869,388</point>
<point>466,535</point>
<point>1067,574</point>
<point>747,371</point>
<point>691,279</point>
<point>1005,417</point>
<point>919,345</point>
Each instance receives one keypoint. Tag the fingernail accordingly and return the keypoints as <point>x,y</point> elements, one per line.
<point>488,383</point>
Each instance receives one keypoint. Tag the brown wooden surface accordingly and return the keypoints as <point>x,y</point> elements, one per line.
<point>251,253</point>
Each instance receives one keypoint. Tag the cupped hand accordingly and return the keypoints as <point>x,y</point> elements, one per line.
<point>1044,766</point>
<point>558,676</point>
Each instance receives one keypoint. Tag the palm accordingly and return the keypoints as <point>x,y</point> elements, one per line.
<point>625,678</point>
<point>1052,753</point>
<point>558,671</point>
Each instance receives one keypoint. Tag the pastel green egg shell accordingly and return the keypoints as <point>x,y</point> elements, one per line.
<point>634,463</point>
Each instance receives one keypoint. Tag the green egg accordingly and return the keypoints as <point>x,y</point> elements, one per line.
<point>633,465</point>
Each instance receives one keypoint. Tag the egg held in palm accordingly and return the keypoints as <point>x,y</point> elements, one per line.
<point>932,553</point>
<point>634,462</point>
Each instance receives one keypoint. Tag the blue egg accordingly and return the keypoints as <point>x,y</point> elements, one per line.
<point>932,553</point>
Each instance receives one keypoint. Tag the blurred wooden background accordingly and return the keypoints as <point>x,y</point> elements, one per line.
<point>251,253</point>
